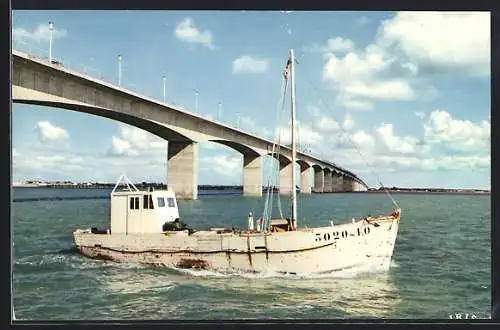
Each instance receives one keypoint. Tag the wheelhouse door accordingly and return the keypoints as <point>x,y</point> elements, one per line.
<point>134,214</point>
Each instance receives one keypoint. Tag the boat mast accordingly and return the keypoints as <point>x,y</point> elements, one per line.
<point>294,151</point>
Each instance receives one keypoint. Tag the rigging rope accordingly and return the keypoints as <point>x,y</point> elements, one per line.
<point>302,53</point>
<point>356,148</point>
<point>275,150</point>
<point>280,127</point>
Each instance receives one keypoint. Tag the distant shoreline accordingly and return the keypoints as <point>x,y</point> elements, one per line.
<point>414,192</point>
<point>392,190</point>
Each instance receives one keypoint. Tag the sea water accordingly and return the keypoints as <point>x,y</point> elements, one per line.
<point>441,263</point>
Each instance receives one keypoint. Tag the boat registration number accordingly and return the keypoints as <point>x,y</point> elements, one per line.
<point>339,235</point>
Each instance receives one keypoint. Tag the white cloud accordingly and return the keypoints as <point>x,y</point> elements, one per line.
<point>143,157</point>
<point>339,135</point>
<point>58,164</point>
<point>362,153</point>
<point>393,89</point>
<point>348,123</point>
<point>441,40</point>
<point>142,139</point>
<point>395,162</point>
<point>409,45</point>
<point>363,140</point>
<point>122,147</point>
<point>413,68</point>
<point>322,122</point>
<point>39,34</point>
<point>455,163</point>
<point>359,78</point>
<point>325,123</point>
<point>441,128</point>
<point>337,44</point>
<point>186,31</point>
<point>349,103</point>
<point>50,133</point>
<point>14,152</point>
<point>137,142</point>
<point>248,124</point>
<point>250,64</point>
<point>356,65</point>
<point>306,134</point>
<point>405,145</point>
<point>355,141</point>
<point>313,110</point>
<point>223,165</point>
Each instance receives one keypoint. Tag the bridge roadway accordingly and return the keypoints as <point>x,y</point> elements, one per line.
<point>36,81</point>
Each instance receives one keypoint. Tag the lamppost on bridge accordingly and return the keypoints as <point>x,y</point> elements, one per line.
<point>196,92</point>
<point>51,28</point>
<point>120,70</point>
<point>164,79</point>
<point>219,113</point>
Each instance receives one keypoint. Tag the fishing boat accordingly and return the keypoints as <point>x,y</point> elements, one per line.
<point>145,227</point>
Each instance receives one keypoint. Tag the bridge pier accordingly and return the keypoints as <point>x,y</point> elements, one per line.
<point>305,178</point>
<point>252,175</point>
<point>359,187</point>
<point>183,169</point>
<point>319,179</point>
<point>286,178</point>
<point>337,182</point>
<point>327,181</point>
<point>348,184</point>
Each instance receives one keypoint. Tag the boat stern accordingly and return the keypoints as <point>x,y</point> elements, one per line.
<point>80,236</point>
<point>83,237</point>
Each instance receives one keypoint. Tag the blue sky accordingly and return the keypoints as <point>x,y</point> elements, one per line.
<point>404,97</point>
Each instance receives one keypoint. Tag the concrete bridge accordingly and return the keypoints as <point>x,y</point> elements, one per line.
<point>36,81</point>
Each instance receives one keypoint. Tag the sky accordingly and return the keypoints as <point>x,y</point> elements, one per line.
<point>399,98</point>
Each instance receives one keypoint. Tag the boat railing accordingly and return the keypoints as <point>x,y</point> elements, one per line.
<point>127,182</point>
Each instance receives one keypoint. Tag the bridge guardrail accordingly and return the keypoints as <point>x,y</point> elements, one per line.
<point>42,53</point>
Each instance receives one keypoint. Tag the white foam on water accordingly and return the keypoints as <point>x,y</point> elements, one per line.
<point>344,273</point>
<point>201,272</point>
<point>394,264</point>
<point>38,260</point>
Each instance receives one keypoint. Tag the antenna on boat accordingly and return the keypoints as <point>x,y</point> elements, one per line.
<point>294,151</point>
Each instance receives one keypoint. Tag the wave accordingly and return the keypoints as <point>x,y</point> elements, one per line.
<point>74,259</point>
<point>353,272</point>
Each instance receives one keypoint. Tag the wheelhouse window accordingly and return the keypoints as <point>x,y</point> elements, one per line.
<point>161,202</point>
<point>147,202</point>
<point>170,202</point>
<point>134,203</point>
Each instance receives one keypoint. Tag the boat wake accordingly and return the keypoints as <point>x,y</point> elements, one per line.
<point>353,272</point>
<point>72,258</point>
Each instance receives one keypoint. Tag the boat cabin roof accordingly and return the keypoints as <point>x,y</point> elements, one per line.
<point>163,192</point>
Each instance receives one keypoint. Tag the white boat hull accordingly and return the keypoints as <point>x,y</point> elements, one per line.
<point>305,251</point>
